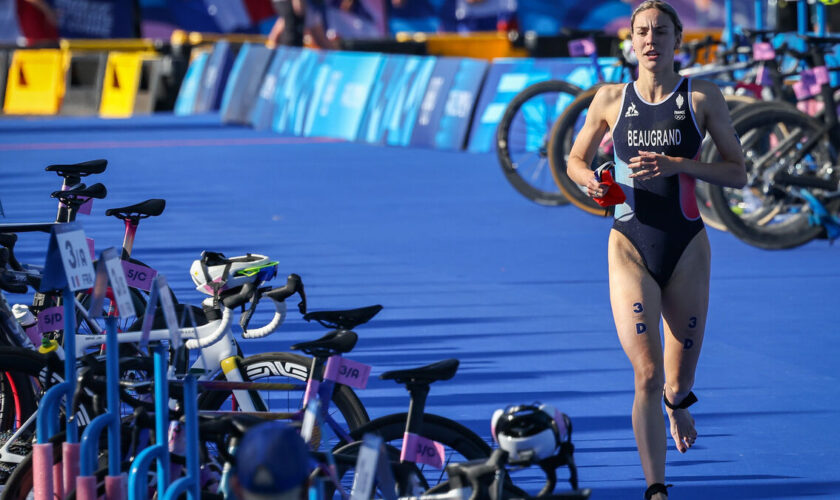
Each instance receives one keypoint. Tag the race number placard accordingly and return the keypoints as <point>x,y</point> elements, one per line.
<point>68,262</point>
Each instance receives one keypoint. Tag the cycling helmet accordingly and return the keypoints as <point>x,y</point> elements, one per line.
<point>530,432</point>
<point>214,273</point>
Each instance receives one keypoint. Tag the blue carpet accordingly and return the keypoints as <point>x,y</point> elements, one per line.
<point>467,268</point>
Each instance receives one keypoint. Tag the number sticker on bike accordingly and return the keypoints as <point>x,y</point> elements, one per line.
<point>421,450</point>
<point>51,319</point>
<point>347,372</point>
<point>137,276</point>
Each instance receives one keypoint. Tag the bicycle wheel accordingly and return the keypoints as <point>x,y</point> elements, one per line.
<point>765,213</point>
<point>735,103</point>
<point>283,367</point>
<point>562,137</point>
<point>460,444</point>
<point>522,139</point>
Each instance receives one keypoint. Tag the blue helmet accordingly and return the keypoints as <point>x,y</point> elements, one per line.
<point>272,458</point>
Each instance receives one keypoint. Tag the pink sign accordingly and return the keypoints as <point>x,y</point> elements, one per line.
<point>418,449</point>
<point>50,320</point>
<point>347,372</point>
<point>138,276</point>
<point>581,47</point>
<point>86,207</point>
<point>763,51</point>
<point>821,75</point>
<point>91,248</point>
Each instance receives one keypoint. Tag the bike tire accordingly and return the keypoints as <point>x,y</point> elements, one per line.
<point>285,367</point>
<point>778,220</point>
<point>735,104</point>
<point>460,444</point>
<point>562,137</point>
<point>522,136</point>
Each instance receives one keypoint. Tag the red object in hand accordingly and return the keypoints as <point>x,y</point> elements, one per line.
<point>614,194</point>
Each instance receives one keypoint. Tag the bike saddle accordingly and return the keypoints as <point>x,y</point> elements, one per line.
<point>148,208</point>
<point>344,320</point>
<point>97,191</point>
<point>335,342</point>
<point>79,169</point>
<point>442,370</point>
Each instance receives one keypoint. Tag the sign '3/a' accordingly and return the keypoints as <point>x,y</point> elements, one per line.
<point>75,256</point>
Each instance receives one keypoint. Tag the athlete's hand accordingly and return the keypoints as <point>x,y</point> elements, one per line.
<point>596,189</point>
<point>649,165</point>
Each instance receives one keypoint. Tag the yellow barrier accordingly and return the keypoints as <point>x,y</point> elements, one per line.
<point>480,45</point>
<point>122,81</point>
<point>35,84</point>
<point>106,45</point>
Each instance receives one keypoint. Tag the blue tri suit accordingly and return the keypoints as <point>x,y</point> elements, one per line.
<point>660,216</point>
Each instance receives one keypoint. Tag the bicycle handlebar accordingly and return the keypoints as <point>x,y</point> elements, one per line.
<point>214,337</point>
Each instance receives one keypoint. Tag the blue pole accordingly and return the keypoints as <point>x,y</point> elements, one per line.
<point>730,25</point>
<point>821,19</point>
<point>70,362</point>
<point>112,380</point>
<point>759,14</point>
<point>802,17</point>
<point>162,415</point>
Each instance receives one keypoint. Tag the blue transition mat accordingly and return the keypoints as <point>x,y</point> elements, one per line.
<point>467,268</point>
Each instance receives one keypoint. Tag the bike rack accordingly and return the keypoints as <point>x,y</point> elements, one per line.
<point>67,268</point>
<point>802,16</point>
<point>138,474</point>
<point>110,420</point>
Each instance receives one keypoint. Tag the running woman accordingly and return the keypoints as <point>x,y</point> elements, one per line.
<point>658,251</point>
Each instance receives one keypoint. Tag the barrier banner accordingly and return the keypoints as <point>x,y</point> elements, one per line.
<point>95,18</point>
<point>448,103</point>
<point>209,94</point>
<point>508,77</point>
<point>262,108</point>
<point>185,103</point>
<point>341,88</point>
<point>395,100</point>
<point>295,89</point>
<point>244,82</point>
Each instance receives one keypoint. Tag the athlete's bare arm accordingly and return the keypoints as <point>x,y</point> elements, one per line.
<point>599,118</point>
<point>713,116</point>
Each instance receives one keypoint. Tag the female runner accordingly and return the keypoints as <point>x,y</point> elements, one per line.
<point>658,252</point>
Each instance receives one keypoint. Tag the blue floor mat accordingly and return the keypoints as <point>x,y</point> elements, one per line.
<point>467,268</point>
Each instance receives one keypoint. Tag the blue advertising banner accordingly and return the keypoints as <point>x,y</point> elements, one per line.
<point>508,77</point>
<point>216,72</point>
<point>185,103</point>
<point>395,100</point>
<point>341,88</point>
<point>448,103</point>
<point>244,83</point>
<point>262,109</point>
<point>95,18</point>
<point>295,89</point>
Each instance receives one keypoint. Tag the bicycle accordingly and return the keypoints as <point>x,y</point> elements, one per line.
<point>522,136</point>
<point>422,443</point>
<point>212,332</point>
<point>793,189</point>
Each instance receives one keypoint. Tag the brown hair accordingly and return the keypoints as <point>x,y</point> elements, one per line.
<point>661,6</point>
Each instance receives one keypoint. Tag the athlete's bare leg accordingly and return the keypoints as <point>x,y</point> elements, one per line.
<point>685,302</point>
<point>636,304</point>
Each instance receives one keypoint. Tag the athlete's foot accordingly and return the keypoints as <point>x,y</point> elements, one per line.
<point>682,428</point>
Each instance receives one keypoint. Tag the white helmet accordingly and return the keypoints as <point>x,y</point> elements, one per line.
<point>214,273</point>
<point>530,432</point>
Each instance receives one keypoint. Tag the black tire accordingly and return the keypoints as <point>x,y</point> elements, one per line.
<point>735,103</point>
<point>285,367</point>
<point>522,139</point>
<point>459,442</point>
<point>765,214</point>
<point>562,137</point>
